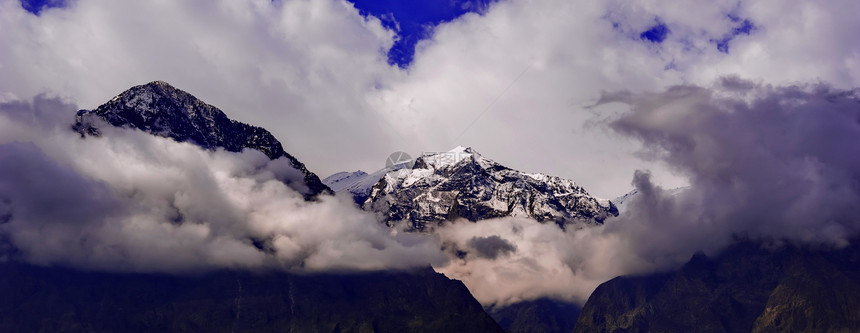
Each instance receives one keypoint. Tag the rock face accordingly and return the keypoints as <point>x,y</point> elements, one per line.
<point>745,289</point>
<point>160,109</point>
<point>50,299</point>
<point>463,184</point>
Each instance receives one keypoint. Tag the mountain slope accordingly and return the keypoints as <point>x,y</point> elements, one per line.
<point>358,184</point>
<point>623,201</point>
<point>160,109</point>
<point>747,288</point>
<point>463,184</point>
<point>542,315</point>
<point>51,299</point>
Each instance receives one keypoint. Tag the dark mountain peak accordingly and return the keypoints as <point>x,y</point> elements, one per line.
<point>158,100</point>
<point>158,88</point>
<point>161,89</point>
<point>163,110</point>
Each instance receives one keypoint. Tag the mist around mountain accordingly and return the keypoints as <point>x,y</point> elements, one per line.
<point>173,217</point>
<point>144,201</point>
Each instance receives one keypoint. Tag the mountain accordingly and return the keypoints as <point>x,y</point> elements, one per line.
<point>54,299</point>
<point>542,315</point>
<point>624,201</point>
<point>463,184</point>
<point>160,109</point>
<point>749,287</point>
<point>358,184</point>
<point>343,180</point>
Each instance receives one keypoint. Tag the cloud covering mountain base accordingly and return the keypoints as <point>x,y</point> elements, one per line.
<point>131,201</point>
<point>771,163</point>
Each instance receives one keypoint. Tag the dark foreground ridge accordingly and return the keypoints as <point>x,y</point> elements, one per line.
<point>543,315</point>
<point>747,288</point>
<point>160,109</point>
<point>51,299</point>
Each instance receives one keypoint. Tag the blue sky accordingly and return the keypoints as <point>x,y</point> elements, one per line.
<point>36,6</point>
<point>414,21</point>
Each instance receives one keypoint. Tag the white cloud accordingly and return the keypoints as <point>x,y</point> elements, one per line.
<point>547,262</point>
<point>315,74</point>
<point>557,57</point>
<point>133,201</point>
<point>299,68</point>
<point>771,164</point>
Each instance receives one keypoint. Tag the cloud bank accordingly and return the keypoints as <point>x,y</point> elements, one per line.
<point>130,201</point>
<point>770,163</point>
<point>529,69</point>
<point>763,161</point>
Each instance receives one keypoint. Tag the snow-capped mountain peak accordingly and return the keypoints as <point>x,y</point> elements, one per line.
<point>441,160</point>
<point>461,183</point>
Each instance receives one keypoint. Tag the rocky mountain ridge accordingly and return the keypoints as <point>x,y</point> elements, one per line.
<point>160,109</point>
<point>462,183</point>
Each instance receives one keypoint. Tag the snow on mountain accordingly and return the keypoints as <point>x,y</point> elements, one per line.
<point>342,180</point>
<point>462,183</point>
<point>160,109</point>
<point>623,202</point>
<point>358,183</point>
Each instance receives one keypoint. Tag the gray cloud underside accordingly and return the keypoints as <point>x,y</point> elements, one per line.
<point>131,201</point>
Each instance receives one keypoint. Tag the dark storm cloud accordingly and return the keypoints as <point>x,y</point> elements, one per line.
<point>43,111</point>
<point>37,188</point>
<point>491,247</point>
<point>781,162</point>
